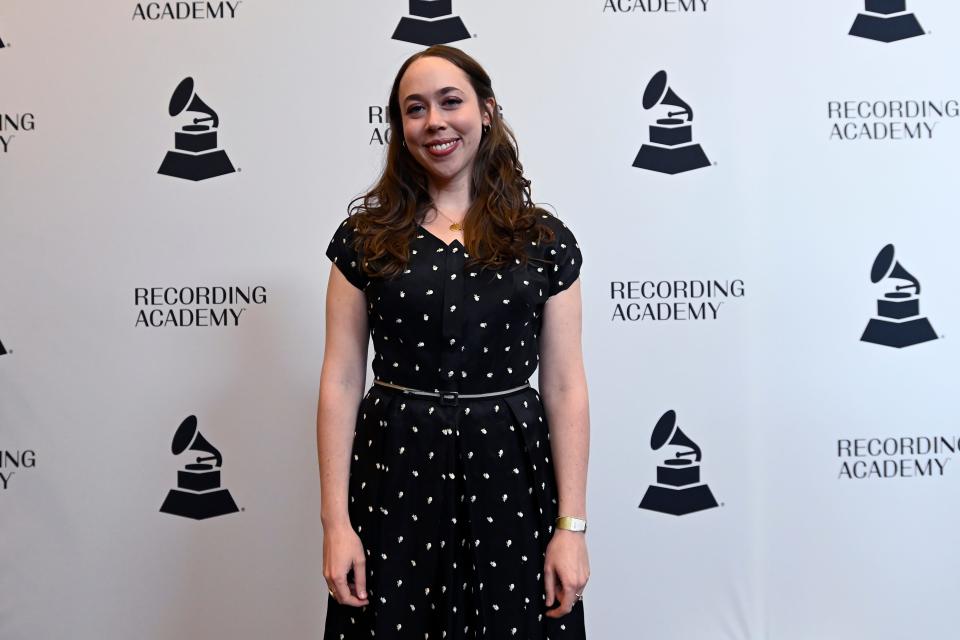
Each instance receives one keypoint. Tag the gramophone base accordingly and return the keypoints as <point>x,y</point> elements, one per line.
<point>431,32</point>
<point>678,502</point>
<point>199,506</point>
<point>886,29</point>
<point>196,167</point>
<point>671,160</point>
<point>898,334</point>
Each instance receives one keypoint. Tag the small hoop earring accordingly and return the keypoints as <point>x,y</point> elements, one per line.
<point>403,143</point>
<point>485,129</point>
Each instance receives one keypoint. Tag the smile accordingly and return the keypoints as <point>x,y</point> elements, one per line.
<point>443,147</point>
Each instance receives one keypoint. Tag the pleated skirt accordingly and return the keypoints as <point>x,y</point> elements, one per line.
<point>455,506</point>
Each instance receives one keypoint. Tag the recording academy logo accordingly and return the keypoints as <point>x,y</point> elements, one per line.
<point>196,156</point>
<point>655,6</point>
<point>13,125</point>
<point>898,322</point>
<point>198,494</point>
<point>895,457</point>
<point>679,300</point>
<point>12,462</point>
<point>155,11</point>
<point>888,119</point>
<point>3,350</point>
<point>886,21</point>
<point>671,148</point>
<point>195,306</point>
<point>2,46</point>
<point>431,22</point>
<point>678,490</point>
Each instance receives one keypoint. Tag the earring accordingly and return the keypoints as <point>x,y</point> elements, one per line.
<point>485,129</point>
<point>403,143</point>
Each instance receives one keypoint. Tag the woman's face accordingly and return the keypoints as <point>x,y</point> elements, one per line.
<point>442,119</point>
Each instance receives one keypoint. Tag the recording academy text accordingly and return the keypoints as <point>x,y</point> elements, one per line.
<point>672,299</point>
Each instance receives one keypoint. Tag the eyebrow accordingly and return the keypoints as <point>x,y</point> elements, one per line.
<point>440,92</point>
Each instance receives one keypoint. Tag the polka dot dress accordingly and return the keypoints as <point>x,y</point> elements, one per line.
<point>455,501</point>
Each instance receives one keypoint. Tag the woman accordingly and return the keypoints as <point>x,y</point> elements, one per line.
<point>450,508</point>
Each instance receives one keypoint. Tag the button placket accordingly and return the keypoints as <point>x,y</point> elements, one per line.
<point>452,327</point>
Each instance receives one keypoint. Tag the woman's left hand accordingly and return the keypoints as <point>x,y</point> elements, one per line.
<point>566,571</point>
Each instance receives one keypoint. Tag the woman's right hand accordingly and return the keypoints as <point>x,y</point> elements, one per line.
<point>343,551</point>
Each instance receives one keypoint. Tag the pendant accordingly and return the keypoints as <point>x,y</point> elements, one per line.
<point>456,226</point>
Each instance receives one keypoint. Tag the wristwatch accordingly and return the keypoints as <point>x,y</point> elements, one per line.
<point>572,524</point>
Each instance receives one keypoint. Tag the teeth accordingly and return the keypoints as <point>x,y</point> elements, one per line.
<point>442,147</point>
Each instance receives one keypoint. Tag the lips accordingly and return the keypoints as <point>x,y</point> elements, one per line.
<point>445,147</point>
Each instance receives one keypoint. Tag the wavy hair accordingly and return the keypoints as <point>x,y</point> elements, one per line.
<point>502,219</point>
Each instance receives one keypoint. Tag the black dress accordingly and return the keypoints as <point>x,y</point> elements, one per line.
<point>454,502</point>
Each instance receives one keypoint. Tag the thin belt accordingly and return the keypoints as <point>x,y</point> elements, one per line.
<point>450,398</point>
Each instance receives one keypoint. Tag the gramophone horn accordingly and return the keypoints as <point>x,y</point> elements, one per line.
<point>657,92</point>
<point>185,99</point>
<point>187,437</point>
<point>183,438</point>
<point>882,264</point>
<point>885,267</point>
<point>664,429</point>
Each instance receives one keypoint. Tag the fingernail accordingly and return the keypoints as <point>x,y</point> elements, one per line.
<point>363,594</point>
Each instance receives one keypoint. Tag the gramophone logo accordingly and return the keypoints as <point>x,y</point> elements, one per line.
<point>431,22</point>
<point>196,156</point>
<point>3,351</point>
<point>198,494</point>
<point>671,148</point>
<point>898,322</point>
<point>1,44</point>
<point>886,21</point>
<point>678,490</point>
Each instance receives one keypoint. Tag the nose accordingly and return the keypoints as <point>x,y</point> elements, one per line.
<point>435,119</point>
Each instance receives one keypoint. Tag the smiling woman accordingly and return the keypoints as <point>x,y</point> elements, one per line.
<point>453,494</point>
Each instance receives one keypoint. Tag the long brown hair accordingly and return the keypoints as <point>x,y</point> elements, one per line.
<point>502,219</point>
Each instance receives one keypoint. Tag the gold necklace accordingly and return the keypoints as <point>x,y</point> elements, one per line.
<point>455,226</point>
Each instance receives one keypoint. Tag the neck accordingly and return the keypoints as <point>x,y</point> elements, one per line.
<point>453,197</point>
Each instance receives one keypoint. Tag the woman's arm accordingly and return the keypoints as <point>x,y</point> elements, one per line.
<point>342,381</point>
<point>341,388</point>
<point>563,387</point>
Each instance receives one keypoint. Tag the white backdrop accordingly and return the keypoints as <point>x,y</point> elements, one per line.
<point>89,401</point>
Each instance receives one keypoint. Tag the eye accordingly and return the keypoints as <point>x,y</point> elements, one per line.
<point>414,109</point>
<point>452,102</point>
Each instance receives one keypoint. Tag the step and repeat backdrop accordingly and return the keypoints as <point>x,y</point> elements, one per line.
<point>766,199</point>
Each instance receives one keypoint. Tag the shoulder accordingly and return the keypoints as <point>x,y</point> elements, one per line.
<point>563,236</point>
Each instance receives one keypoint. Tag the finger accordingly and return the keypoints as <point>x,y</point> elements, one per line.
<point>360,577</point>
<point>342,589</point>
<point>566,598</point>
<point>548,583</point>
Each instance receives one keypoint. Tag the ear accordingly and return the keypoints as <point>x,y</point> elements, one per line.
<point>489,105</point>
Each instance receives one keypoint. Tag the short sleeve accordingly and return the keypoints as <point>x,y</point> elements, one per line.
<point>564,253</point>
<point>343,254</point>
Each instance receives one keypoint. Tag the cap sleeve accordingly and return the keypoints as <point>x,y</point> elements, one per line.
<point>343,254</point>
<point>564,252</point>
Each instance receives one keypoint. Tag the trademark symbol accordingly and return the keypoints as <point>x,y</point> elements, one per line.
<point>473,36</point>
<point>723,504</point>
<point>243,509</point>
<point>239,170</point>
<point>714,164</point>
